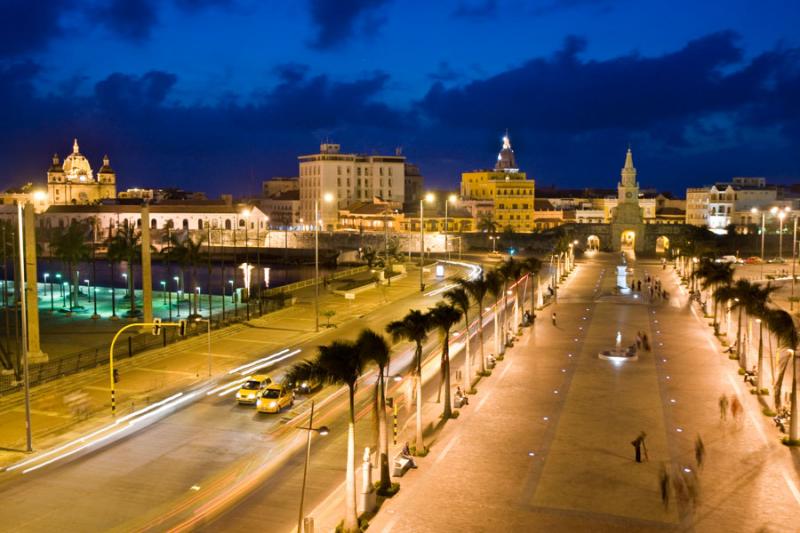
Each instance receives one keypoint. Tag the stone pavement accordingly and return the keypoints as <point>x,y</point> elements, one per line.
<point>156,374</point>
<point>546,444</point>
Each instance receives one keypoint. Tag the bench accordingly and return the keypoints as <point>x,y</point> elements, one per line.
<point>400,465</point>
<point>459,402</point>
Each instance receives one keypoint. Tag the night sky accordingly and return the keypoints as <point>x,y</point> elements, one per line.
<point>217,95</point>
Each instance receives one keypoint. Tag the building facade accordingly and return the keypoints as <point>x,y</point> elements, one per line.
<point>509,190</point>
<point>716,206</point>
<point>73,182</point>
<point>347,179</point>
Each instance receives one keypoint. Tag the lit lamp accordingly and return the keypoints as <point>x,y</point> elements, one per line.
<point>327,198</point>
<point>428,198</point>
<point>450,200</point>
<point>755,211</point>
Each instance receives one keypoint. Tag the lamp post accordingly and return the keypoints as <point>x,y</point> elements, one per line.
<point>428,198</point>
<point>327,197</point>
<point>755,210</point>
<point>452,198</point>
<point>127,290</point>
<point>233,299</point>
<point>163,291</point>
<point>322,431</point>
<point>51,294</point>
<point>46,275</point>
<point>794,260</point>
<point>24,330</point>
<point>493,238</point>
<point>246,215</point>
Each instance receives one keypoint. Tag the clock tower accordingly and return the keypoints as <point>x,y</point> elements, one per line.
<point>628,188</point>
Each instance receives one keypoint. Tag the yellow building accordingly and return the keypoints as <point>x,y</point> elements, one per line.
<point>73,182</point>
<point>509,189</point>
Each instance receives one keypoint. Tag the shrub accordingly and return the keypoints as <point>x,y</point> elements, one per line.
<point>741,371</point>
<point>473,390</point>
<point>500,357</point>
<point>764,392</point>
<point>790,442</point>
<point>422,453</point>
<point>388,493</point>
<point>485,373</point>
<point>766,411</point>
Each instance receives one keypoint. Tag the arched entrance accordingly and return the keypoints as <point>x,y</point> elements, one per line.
<point>592,242</point>
<point>628,240</point>
<point>662,244</point>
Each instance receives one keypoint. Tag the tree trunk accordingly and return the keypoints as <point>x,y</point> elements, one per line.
<point>383,434</point>
<point>131,286</point>
<point>113,292</point>
<point>351,517</point>
<point>480,336</point>
<point>467,357</point>
<point>760,371</point>
<point>496,331</point>
<point>739,338</point>
<point>448,410</point>
<point>793,426</point>
<point>418,390</point>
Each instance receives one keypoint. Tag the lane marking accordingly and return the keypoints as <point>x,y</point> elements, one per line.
<point>792,487</point>
<point>452,443</point>
<point>483,401</point>
<point>503,374</point>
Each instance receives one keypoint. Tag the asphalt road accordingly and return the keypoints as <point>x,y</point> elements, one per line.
<point>161,474</point>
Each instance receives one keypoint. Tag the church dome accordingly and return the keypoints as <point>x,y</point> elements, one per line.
<point>505,159</point>
<point>76,166</point>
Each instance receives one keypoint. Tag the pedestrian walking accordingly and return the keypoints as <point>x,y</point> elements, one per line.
<point>723,408</point>
<point>639,285</point>
<point>736,409</point>
<point>699,451</point>
<point>637,446</point>
<point>638,340</point>
<point>663,482</point>
<point>645,342</point>
<point>553,316</point>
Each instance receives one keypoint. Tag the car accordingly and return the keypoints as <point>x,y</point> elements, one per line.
<point>274,398</point>
<point>728,259</point>
<point>249,391</point>
<point>776,260</point>
<point>754,260</point>
<point>306,386</point>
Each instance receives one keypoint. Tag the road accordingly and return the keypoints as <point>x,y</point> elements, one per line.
<point>162,474</point>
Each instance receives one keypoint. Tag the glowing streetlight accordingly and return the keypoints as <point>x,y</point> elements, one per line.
<point>327,198</point>
<point>429,197</point>
<point>450,200</point>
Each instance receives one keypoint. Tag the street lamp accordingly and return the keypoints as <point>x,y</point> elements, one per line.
<point>163,291</point>
<point>51,292</point>
<point>246,216</point>
<point>125,275</point>
<point>450,199</point>
<point>233,299</point>
<point>88,288</point>
<point>755,210</point>
<point>322,430</point>
<point>494,238</point>
<point>46,275</point>
<point>327,198</point>
<point>428,198</point>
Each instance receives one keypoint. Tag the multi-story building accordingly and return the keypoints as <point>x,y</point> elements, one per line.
<point>278,185</point>
<point>346,179</point>
<point>414,184</point>
<point>283,209</point>
<point>73,182</point>
<point>509,190</point>
<point>28,193</point>
<point>715,206</point>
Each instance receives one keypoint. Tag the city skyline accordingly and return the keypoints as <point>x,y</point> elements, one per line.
<point>709,98</point>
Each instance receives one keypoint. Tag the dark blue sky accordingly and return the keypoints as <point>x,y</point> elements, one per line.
<point>217,95</point>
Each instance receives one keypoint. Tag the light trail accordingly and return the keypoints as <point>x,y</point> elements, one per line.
<point>245,369</point>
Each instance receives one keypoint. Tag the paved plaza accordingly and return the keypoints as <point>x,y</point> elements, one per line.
<point>546,446</point>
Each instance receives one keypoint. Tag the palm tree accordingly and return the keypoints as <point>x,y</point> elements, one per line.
<point>339,363</point>
<point>741,294</point>
<point>782,324</point>
<point>477,289</point>
<point>413,327</point>
<point>494,285</point>
<point>459,298</point>
<point>373,347</point>
<point>713,276</point>
<point>193,254</point>
<point>487,224</point>
<point>757,307</point>
<point>532,266</point>
<point>128,241</point>
<point>70,246</point>
<point>443,317</point>
<point>114,254</point>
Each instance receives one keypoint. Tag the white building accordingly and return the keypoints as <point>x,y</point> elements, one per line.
<point>347,179</point>
<point>73,182</point>
<point>716,207</point>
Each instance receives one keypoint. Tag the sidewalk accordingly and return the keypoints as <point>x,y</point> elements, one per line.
<point>157,374</point>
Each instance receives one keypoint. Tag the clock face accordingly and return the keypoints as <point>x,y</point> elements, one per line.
<point>628,195</point>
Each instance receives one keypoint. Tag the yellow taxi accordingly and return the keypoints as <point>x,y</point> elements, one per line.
<point>274,398</point>
<point>251,388</point>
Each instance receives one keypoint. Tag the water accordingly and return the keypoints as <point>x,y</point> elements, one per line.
<point>278,274</point>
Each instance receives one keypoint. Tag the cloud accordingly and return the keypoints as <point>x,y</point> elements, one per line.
<point>476,9</point>
<point>696,114</point>
<point>556,6</point>
<point>336,21</point>
<point>129,19</point>
<point>29,26</point>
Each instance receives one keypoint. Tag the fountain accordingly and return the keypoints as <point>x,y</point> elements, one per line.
<point>622,277</point>
<point>619,354</point>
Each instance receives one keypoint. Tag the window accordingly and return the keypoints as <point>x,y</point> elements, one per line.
<point>339,171</point>
<point>200,224</point>
<point>185,223</point>
<point>390,171</point>
<point>227,223</point>
<point>154,224</point>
